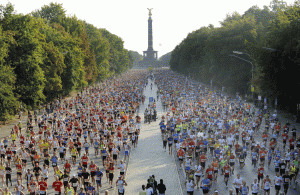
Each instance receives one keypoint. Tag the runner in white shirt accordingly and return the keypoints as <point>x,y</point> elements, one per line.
<point>238,183</point>
<point>178,144</point>
<point>267,185</point>
<point>190,185</point>
<point>198,169</point>
<point>278,181</point>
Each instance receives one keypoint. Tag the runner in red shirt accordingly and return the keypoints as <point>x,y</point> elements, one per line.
<point>22,139</point>
<point>284,138</point>
<point>202,161</point>
<point>262,155</point>
<point>57,185</point>
<point>79,131</point>
<point>19,170</point>
<point>231,162</point>
<point>9,154</point>
<point>32,187</point>
<point>43,186</point>
<point>210,172</point>
<point>260,174</point>
<point>68,167</point>
<point>265,137</point>
<point>292,144</point>
<point>227,171</point>
<point>192,145</point>
<point>272,144</point>
<point>85,160</point>
<point>93,168</point>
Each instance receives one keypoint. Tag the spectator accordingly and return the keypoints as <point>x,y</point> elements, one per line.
<point>143,192</point>
<point>149,190</point>
<point>161,187</point>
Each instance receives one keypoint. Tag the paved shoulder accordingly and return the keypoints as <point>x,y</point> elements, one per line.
<point>149,158</point>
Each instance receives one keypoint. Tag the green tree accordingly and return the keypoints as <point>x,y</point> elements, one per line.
<point>54,13</point>
<point>8,100</point>
<point>26,56</point>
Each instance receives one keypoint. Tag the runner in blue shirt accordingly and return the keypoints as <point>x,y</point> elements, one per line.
<point>81,192</point>
<point>79,173</point>
<point>90,189</point>
<point>54,160</point>
<point>277,162</point>
<point>99,175</point>
<point>175,137</point>
<point>205,142</point>
<point>217,153</point>
<point>277,153</point>
<point>270,156</point>
<point>205,184</point>
<point>181,139</point>
<point>254,158</point>
<point>170,142</point>
<point>245,150</point>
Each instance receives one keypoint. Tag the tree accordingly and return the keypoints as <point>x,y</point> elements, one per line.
<point>8,100</point>
<point>26,56</point>
<point>54,13</point>
<point>165,59</point>
<point>100,46</point>
<point>277,5</point>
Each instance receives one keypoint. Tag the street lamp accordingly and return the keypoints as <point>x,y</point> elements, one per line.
<point>238,52</point>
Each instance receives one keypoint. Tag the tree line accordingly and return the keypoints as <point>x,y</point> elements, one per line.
<point>46,54</point>
<point>266,38</point>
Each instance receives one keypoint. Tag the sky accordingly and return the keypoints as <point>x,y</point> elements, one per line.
<point>172,20</point>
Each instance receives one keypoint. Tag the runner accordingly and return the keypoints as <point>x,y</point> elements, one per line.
<point>278,181</point>
<point>286,182</point>
<point>238,183</point>
<point>120,183</point>
<point>99,176</point>
<point>267,185</point>
<point>255,187</point>
<point>227,171</point>
<point>190,185</point>
<point>205,184</point>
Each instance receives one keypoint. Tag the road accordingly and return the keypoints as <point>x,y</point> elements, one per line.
<point>149,158</point>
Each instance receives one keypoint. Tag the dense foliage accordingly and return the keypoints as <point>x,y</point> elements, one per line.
<point>46,54</point>
<point>136,57</point>
<point>165,59</point>
<point>269,39</point>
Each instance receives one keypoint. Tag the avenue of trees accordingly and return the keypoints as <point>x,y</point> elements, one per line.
<point>271,38</point>
<point>136,56</point>
<point>165,59</point>
<point>46,54</point>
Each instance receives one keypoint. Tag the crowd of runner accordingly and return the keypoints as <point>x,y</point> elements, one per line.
<point>211,134</point>
<point>100,123</point>
<point>218,134</point>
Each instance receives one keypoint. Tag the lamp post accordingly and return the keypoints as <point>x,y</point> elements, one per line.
<point>238,52</point>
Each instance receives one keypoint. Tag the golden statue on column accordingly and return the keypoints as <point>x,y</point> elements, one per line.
<point>150,14</point>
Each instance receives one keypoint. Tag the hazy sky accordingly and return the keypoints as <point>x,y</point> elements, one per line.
<point>172,20</point>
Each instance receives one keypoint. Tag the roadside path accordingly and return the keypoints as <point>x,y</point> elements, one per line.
<point>149,158</point>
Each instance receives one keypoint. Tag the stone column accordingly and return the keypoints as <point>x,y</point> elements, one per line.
<point>150,36</point>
